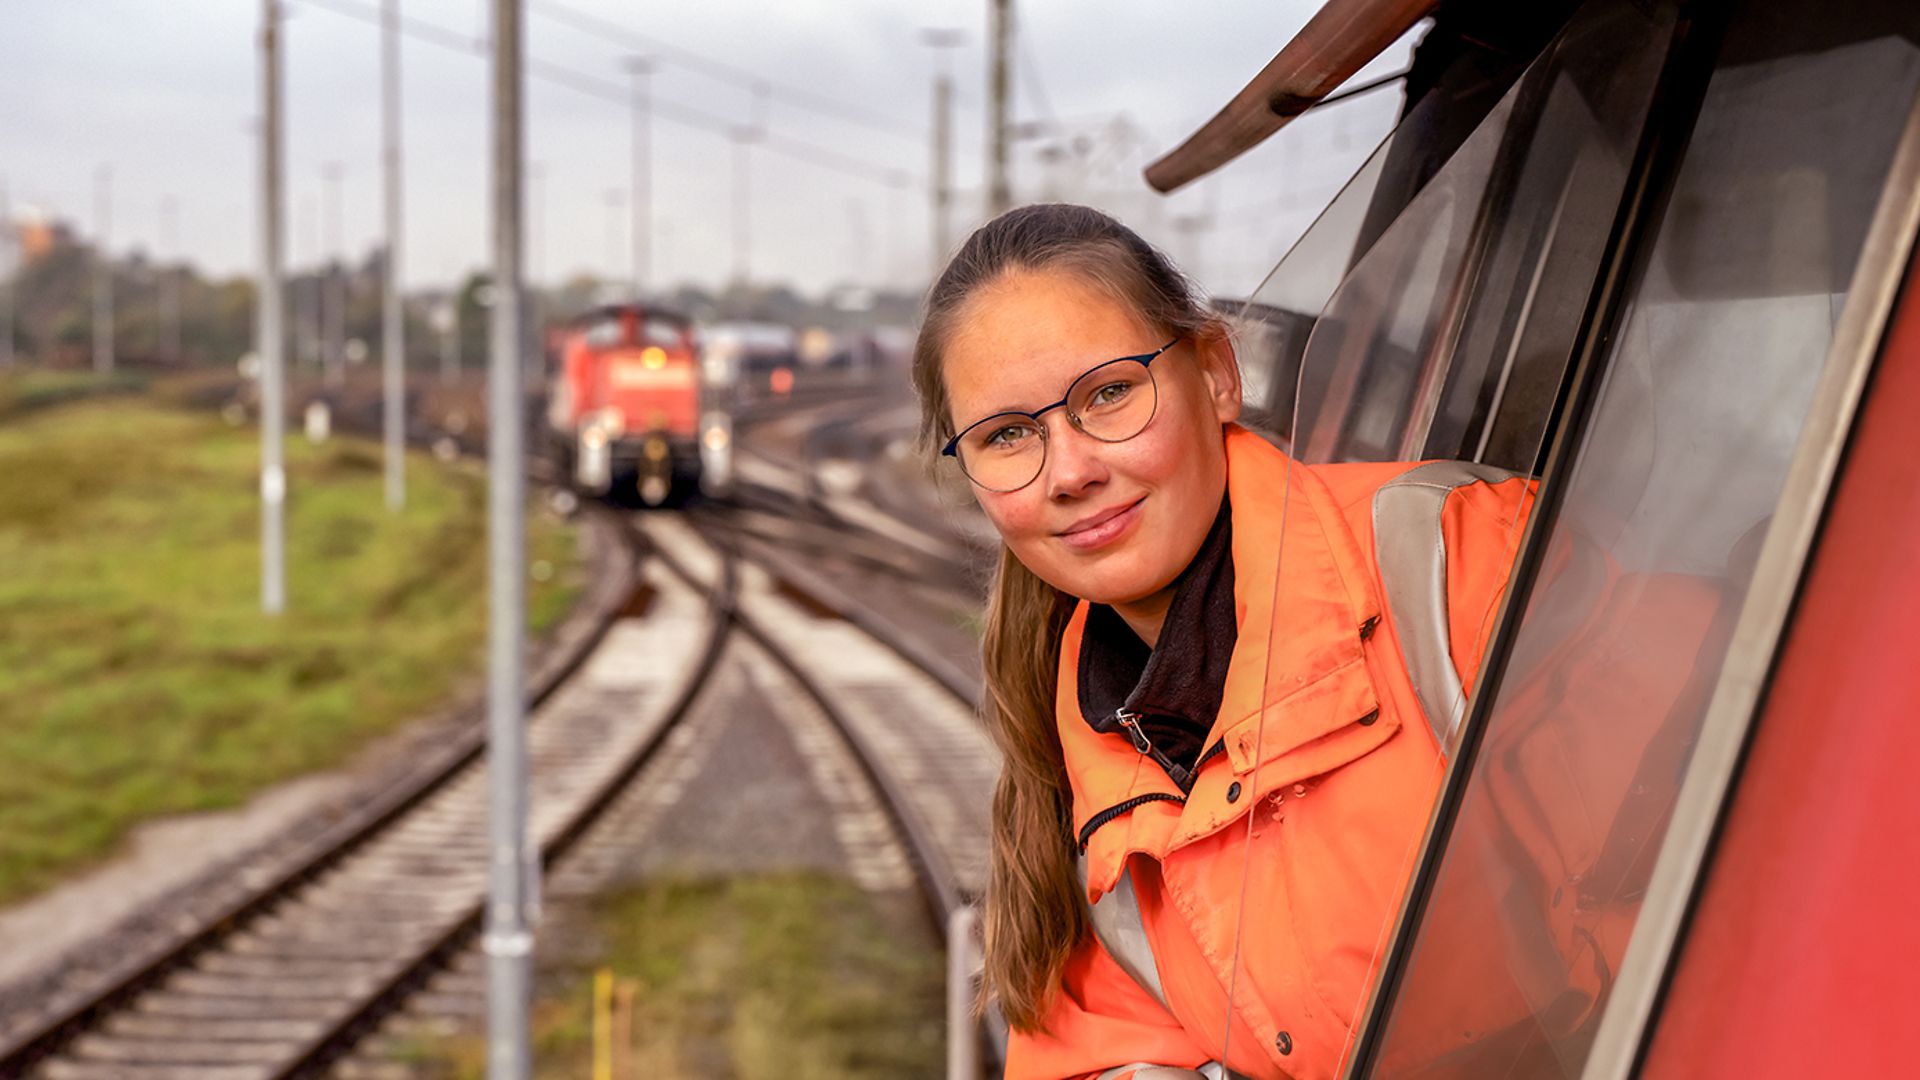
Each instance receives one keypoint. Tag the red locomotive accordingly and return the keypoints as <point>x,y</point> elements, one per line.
<point>628,401</point>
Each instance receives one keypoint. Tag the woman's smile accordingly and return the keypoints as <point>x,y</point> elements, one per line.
<point>1103,527</point>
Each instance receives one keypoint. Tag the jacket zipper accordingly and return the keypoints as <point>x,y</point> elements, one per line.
<point>1111,812</point>
<point>1212,751</point>
<point>1131,722</point>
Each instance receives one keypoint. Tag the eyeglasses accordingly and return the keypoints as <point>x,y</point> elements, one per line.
<point>1111,402</point>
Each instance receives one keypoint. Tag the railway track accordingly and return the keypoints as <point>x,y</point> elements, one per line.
<point>917,737</point>
<point>904,767</point>
<point>910,724</point>
<point>287,981</point>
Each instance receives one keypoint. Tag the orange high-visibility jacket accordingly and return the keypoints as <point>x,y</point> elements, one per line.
<point>1313,812</point>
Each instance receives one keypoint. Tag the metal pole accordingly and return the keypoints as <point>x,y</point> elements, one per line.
<point>269,344</point>
<point>393,347</point>
<point>169,283</point>
<point>513,887</point>
<point>102,272</point>
<point>963,969</point>
<point>999,79</point>
<point>333,301</point>
<point>641,69</point>
<point>10,270</point>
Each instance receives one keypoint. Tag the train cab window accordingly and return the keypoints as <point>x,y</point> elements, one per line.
<point>1434,341</point>
<point>1448,333</point>
<point>661,332</point>
<point>1452,334</point>
<point>1536,876</point>
<point>604,332</point>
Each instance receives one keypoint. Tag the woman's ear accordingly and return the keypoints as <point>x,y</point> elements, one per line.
<point>1220,370</point>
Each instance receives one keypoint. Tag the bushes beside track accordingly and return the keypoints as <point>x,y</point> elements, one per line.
<point>137,675</point>
<point>27,391</point>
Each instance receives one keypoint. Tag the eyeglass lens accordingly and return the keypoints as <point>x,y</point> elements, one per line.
<point>1112,403</point>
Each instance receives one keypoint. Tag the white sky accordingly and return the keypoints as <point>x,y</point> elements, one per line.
<point>165,92</point>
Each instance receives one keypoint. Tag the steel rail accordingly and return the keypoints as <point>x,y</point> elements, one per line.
<point>48,1037</point>
<point>939,885</point>
<point>336,1042</point>
<point>965,686</point>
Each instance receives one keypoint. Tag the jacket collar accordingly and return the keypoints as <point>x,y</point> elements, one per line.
<point>1173,688</point>
<point>1295,685</point>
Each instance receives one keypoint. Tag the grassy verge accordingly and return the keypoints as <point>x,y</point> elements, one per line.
<point>792,975</point>
<point>137,675</point>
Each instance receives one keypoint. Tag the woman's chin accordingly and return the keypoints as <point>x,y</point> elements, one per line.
<point>1113,584</point>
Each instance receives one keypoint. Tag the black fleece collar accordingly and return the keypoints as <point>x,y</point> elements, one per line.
<point>1173,688</point>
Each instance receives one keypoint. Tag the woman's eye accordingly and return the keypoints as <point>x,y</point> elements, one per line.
<point>1111,393</point>
<point>1008,437</point>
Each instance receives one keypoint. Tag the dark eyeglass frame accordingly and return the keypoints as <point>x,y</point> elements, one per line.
<point>1145,360</point>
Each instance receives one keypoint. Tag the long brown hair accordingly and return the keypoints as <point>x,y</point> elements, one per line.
<point>1035,913</point>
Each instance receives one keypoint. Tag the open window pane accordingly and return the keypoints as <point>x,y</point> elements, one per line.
<point>1536,893</point>
<point>1476,288</point>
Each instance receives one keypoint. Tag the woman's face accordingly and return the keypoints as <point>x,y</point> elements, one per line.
<point>1113,523</point>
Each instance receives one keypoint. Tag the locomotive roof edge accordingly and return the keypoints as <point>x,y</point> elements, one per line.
<point>601,311</point>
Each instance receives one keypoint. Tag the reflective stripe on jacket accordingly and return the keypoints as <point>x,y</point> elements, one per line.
<point>1324,743</point>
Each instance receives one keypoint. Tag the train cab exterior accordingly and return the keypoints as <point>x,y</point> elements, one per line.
<point>630,401</point>
<point>1660,257</point>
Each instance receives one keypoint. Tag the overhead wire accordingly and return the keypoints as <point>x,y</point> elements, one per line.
<point>796,96</point>
<point>606,89</point>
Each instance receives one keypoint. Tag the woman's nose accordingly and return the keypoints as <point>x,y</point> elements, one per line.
<point>1073,461</point>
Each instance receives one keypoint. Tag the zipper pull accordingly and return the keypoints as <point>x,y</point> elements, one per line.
<point>1131,722</point>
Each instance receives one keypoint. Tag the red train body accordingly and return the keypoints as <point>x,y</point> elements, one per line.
<point>627,400</point>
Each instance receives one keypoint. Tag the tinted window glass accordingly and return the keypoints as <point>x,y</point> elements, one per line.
<point>1619,648</point>
<point>1438,300</point>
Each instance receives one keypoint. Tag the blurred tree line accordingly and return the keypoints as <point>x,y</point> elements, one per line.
<point>54,290</point>
<point>53,311</point>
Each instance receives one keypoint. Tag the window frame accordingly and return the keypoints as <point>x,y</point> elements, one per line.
<point>1675,106</point>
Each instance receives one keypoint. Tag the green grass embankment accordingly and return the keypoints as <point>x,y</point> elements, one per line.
<point>138,676</point>
<point>784,976</point>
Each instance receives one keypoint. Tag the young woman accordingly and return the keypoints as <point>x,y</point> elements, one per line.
<point>1217,764</point>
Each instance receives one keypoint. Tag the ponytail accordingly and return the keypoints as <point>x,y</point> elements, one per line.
<point>1034,912</point>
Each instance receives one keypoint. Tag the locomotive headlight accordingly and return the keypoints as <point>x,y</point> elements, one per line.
<point>653,358</point>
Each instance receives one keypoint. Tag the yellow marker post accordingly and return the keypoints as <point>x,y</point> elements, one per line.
<point>603,1025</point>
